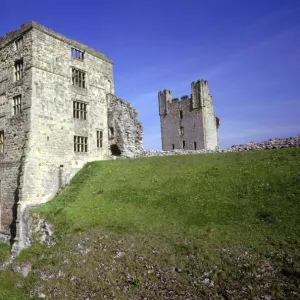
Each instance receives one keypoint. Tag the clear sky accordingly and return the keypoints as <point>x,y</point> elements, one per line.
<point>249,51</point>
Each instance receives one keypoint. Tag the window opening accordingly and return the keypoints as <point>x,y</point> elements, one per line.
<point>80,144</point>
<point>79,110</point>
<point>1,141</point>
<point>111,132</point>
<point>183,144</point>
<point>17,104</point>
<point>99,138</point>
<point>18,69</point>
<point>173,146</point>
<point>19,43</point>
<point>181,130</point>
<point>195,146</point>
<point>181,114</point>
<point>75,53</point>
<point>78,78</point>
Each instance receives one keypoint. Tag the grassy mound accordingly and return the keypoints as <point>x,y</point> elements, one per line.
<point>178,227</point>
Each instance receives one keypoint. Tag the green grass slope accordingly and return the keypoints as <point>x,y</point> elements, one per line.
<point>214,226</point>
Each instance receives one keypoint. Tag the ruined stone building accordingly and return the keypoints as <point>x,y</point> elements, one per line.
<point>189,123</point>
<point>58,111</point>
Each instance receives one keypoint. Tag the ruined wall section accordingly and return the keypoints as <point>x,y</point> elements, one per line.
<point>181,115</point>
<point>16,127</point>
<point>125,129</point>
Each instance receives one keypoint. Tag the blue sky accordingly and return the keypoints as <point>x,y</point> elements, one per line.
<point>249,51</point>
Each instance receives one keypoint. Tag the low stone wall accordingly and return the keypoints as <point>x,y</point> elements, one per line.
<point>275,143</point>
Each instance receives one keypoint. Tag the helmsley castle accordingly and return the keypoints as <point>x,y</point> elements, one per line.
<point>189,123</point>
<point>58,111</point>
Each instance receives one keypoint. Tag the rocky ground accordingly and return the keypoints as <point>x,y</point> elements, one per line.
<point>275,143</point>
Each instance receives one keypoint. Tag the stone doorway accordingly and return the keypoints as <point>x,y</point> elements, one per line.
<point>115,150</point>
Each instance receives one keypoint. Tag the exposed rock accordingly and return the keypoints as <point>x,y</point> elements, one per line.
<point>42,231</point>
<point>23,269</point>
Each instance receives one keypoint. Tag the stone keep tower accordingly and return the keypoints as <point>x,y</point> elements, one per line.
<point>58,111</point>
<point>189,123</point>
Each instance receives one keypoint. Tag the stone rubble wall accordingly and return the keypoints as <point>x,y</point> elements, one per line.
<point>276,143</point>
<point>16,128</point>
<point>128,130</point>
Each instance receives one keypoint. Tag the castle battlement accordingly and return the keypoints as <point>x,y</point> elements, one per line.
<point>199,97</point>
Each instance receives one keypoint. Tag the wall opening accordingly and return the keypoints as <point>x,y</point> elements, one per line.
<point>115,150</point>
<point>173,146</point>
<point>181,114</point>
<point>60,176</point>
<point>183,144</point>
<point>195,146</point>
<point>111,132</point>
<point>181,130</point>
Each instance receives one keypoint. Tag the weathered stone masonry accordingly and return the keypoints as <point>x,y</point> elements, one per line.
<point>62,123</point>
<point>189,123</point>
<point>125,132</point>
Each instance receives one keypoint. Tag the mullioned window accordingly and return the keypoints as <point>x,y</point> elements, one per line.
<point>78,78</point>
<point>80,144</point>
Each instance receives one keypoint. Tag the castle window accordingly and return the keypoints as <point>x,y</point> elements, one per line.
<point>17,104</point>
<point>2,104</point>
<point>181,114</point>
<point>173,146</point>
<point>99,138</point>
<point>109,86</point>
<point>195,146</point>
<point>18,69</point>
<point>181,130</point>
<point>111,132</point>
<point>77,54</point>
<point>1,141</point>
<point>78,78</point>
<point>80,144</point>
<point>19,43</point>
<point>79,110</point>
<point>183,144</point>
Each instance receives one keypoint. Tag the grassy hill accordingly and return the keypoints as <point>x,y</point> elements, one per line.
<point>213,226</point>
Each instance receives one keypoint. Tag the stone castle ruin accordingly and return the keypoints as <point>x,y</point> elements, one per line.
<point>58,111</point>
<point>189,123</point>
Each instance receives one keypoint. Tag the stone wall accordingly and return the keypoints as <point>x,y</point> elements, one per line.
<point>39,156</point>
<point>125,129</point>
<point>16,127</point>
<point>276,143</point>
<point>191,122</point>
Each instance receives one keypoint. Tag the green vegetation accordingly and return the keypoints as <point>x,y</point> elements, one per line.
<point>4,253</point>
<point>210,226</point>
